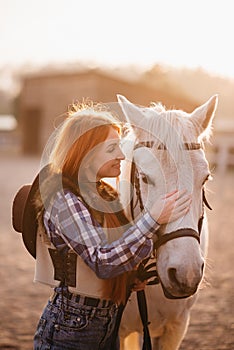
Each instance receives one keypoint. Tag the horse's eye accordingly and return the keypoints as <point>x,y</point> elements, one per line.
<point>145,179</point>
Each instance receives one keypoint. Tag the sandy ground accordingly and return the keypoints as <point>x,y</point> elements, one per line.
<point>21,302</point>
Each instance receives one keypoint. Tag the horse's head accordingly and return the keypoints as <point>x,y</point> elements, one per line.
<point>168,154</point>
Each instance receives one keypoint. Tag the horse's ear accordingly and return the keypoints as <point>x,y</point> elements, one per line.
<point>202,116</point>
<point>132,112</point>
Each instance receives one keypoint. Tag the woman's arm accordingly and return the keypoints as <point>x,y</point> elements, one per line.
<point>73,223</point>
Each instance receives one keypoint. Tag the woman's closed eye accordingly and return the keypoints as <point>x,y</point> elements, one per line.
<point>112,147</point>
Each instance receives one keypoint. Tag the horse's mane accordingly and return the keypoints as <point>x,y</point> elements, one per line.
<point>172,128</point>
<point>175,127</point>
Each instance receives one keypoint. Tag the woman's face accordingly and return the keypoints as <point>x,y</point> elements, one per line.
<point>106,158</point>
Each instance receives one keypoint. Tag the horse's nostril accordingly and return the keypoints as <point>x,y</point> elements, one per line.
<point>172,275</point>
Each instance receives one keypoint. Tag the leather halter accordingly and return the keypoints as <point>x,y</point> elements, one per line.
<point>164,238</point>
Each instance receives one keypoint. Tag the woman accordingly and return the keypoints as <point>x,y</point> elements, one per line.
<point>86,248</point>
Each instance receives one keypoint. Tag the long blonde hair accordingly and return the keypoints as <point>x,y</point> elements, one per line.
<point>85,128</point>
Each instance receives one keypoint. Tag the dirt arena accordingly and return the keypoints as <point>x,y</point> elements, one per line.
<point>21,302</point>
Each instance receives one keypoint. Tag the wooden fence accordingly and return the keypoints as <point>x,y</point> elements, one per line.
<point>221,151</point>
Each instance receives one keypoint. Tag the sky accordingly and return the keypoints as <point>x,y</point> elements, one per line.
<point>178,33</point>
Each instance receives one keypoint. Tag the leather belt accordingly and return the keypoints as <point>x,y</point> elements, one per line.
<point>83,300</point>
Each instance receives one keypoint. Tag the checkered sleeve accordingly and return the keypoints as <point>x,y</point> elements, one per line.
<point>74,224</point>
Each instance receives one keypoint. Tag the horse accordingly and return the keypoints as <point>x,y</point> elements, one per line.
<point>167,148</point>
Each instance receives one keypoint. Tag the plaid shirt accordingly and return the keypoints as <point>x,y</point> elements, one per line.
<point>70,225</point>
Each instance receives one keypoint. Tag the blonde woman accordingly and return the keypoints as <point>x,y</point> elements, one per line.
<point>86,248</point>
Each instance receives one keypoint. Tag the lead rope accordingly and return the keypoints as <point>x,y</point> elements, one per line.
<point>141,298</point>
<point>142,305</point>
<point>144,273</point>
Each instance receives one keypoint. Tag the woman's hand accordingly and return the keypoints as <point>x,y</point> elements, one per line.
<point>170,207</point>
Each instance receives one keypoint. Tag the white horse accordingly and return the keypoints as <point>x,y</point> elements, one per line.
<point>168,152</point>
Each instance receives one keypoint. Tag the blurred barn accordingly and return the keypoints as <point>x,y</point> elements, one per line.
<point>44,99</point>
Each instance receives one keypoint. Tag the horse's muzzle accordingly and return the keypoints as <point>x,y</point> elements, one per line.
<point>179,288</point>
<point>184,292</point>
